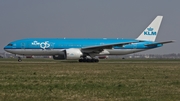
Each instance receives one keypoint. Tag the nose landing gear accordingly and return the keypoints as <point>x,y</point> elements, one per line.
<point>19,59</point>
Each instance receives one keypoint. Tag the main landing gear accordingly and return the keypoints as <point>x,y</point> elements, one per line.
<point>86,59</point>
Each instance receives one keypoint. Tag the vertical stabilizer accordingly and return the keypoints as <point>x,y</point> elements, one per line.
<point>150,33</point>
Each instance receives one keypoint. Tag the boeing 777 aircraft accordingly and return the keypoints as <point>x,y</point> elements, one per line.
<point>87,49</point>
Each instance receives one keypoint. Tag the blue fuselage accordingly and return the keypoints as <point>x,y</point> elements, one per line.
<point>52,46</point>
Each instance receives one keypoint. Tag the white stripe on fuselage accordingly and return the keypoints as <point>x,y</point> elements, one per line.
<point>35,51</point>
<point>60,51</point>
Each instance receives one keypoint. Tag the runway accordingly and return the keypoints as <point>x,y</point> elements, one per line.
<point>42,79</point>
<point>107,61</point>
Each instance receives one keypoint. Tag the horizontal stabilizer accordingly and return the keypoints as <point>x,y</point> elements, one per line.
<point>154,44</point>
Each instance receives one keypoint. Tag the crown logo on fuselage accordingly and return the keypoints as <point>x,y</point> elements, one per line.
<point>150,31</point>
<point>42,45</point>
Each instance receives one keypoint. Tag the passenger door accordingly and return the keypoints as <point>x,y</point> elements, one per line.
<point>23,45</point>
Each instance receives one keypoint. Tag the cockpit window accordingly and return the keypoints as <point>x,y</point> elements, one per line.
<point>10,44</point>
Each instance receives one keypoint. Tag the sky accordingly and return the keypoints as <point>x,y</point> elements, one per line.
<point>89,19</point>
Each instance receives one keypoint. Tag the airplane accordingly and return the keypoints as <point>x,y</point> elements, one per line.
<point>87,49</point>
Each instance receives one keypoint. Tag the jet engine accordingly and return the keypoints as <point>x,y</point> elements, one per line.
<point>68,54</point>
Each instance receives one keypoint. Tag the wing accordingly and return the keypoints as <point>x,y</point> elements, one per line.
<point>100,48</point>
<point>155,44</point>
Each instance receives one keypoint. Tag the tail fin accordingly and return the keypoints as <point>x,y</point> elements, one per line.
<point>150,33</point>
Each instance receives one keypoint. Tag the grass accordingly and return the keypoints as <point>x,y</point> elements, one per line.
<point>114,80</point>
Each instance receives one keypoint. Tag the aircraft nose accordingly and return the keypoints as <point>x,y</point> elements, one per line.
<point>5,48</point>
<point>9,47</point>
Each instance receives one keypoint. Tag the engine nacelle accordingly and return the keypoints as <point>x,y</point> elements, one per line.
<point>59,57</point>
<point>68,54</point>
<point>73,53</point>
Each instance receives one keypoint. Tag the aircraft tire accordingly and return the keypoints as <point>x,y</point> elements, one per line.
<point>80,60</point>
<point>97,60</point>
<point>88,60</point>
<point>84,60</point>
<point>19,60</point>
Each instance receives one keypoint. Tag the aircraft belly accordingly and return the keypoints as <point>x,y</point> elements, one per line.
<point>123,51</point>
<point>35,51</point>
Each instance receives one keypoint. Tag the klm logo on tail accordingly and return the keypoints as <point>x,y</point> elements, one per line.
<point>150,31</point>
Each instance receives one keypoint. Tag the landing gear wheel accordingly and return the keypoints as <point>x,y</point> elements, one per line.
<point>96,60</point>
<point>19,59</point>
<point>80,60</point>
<point>88,60</point>
<point>92,60</point>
